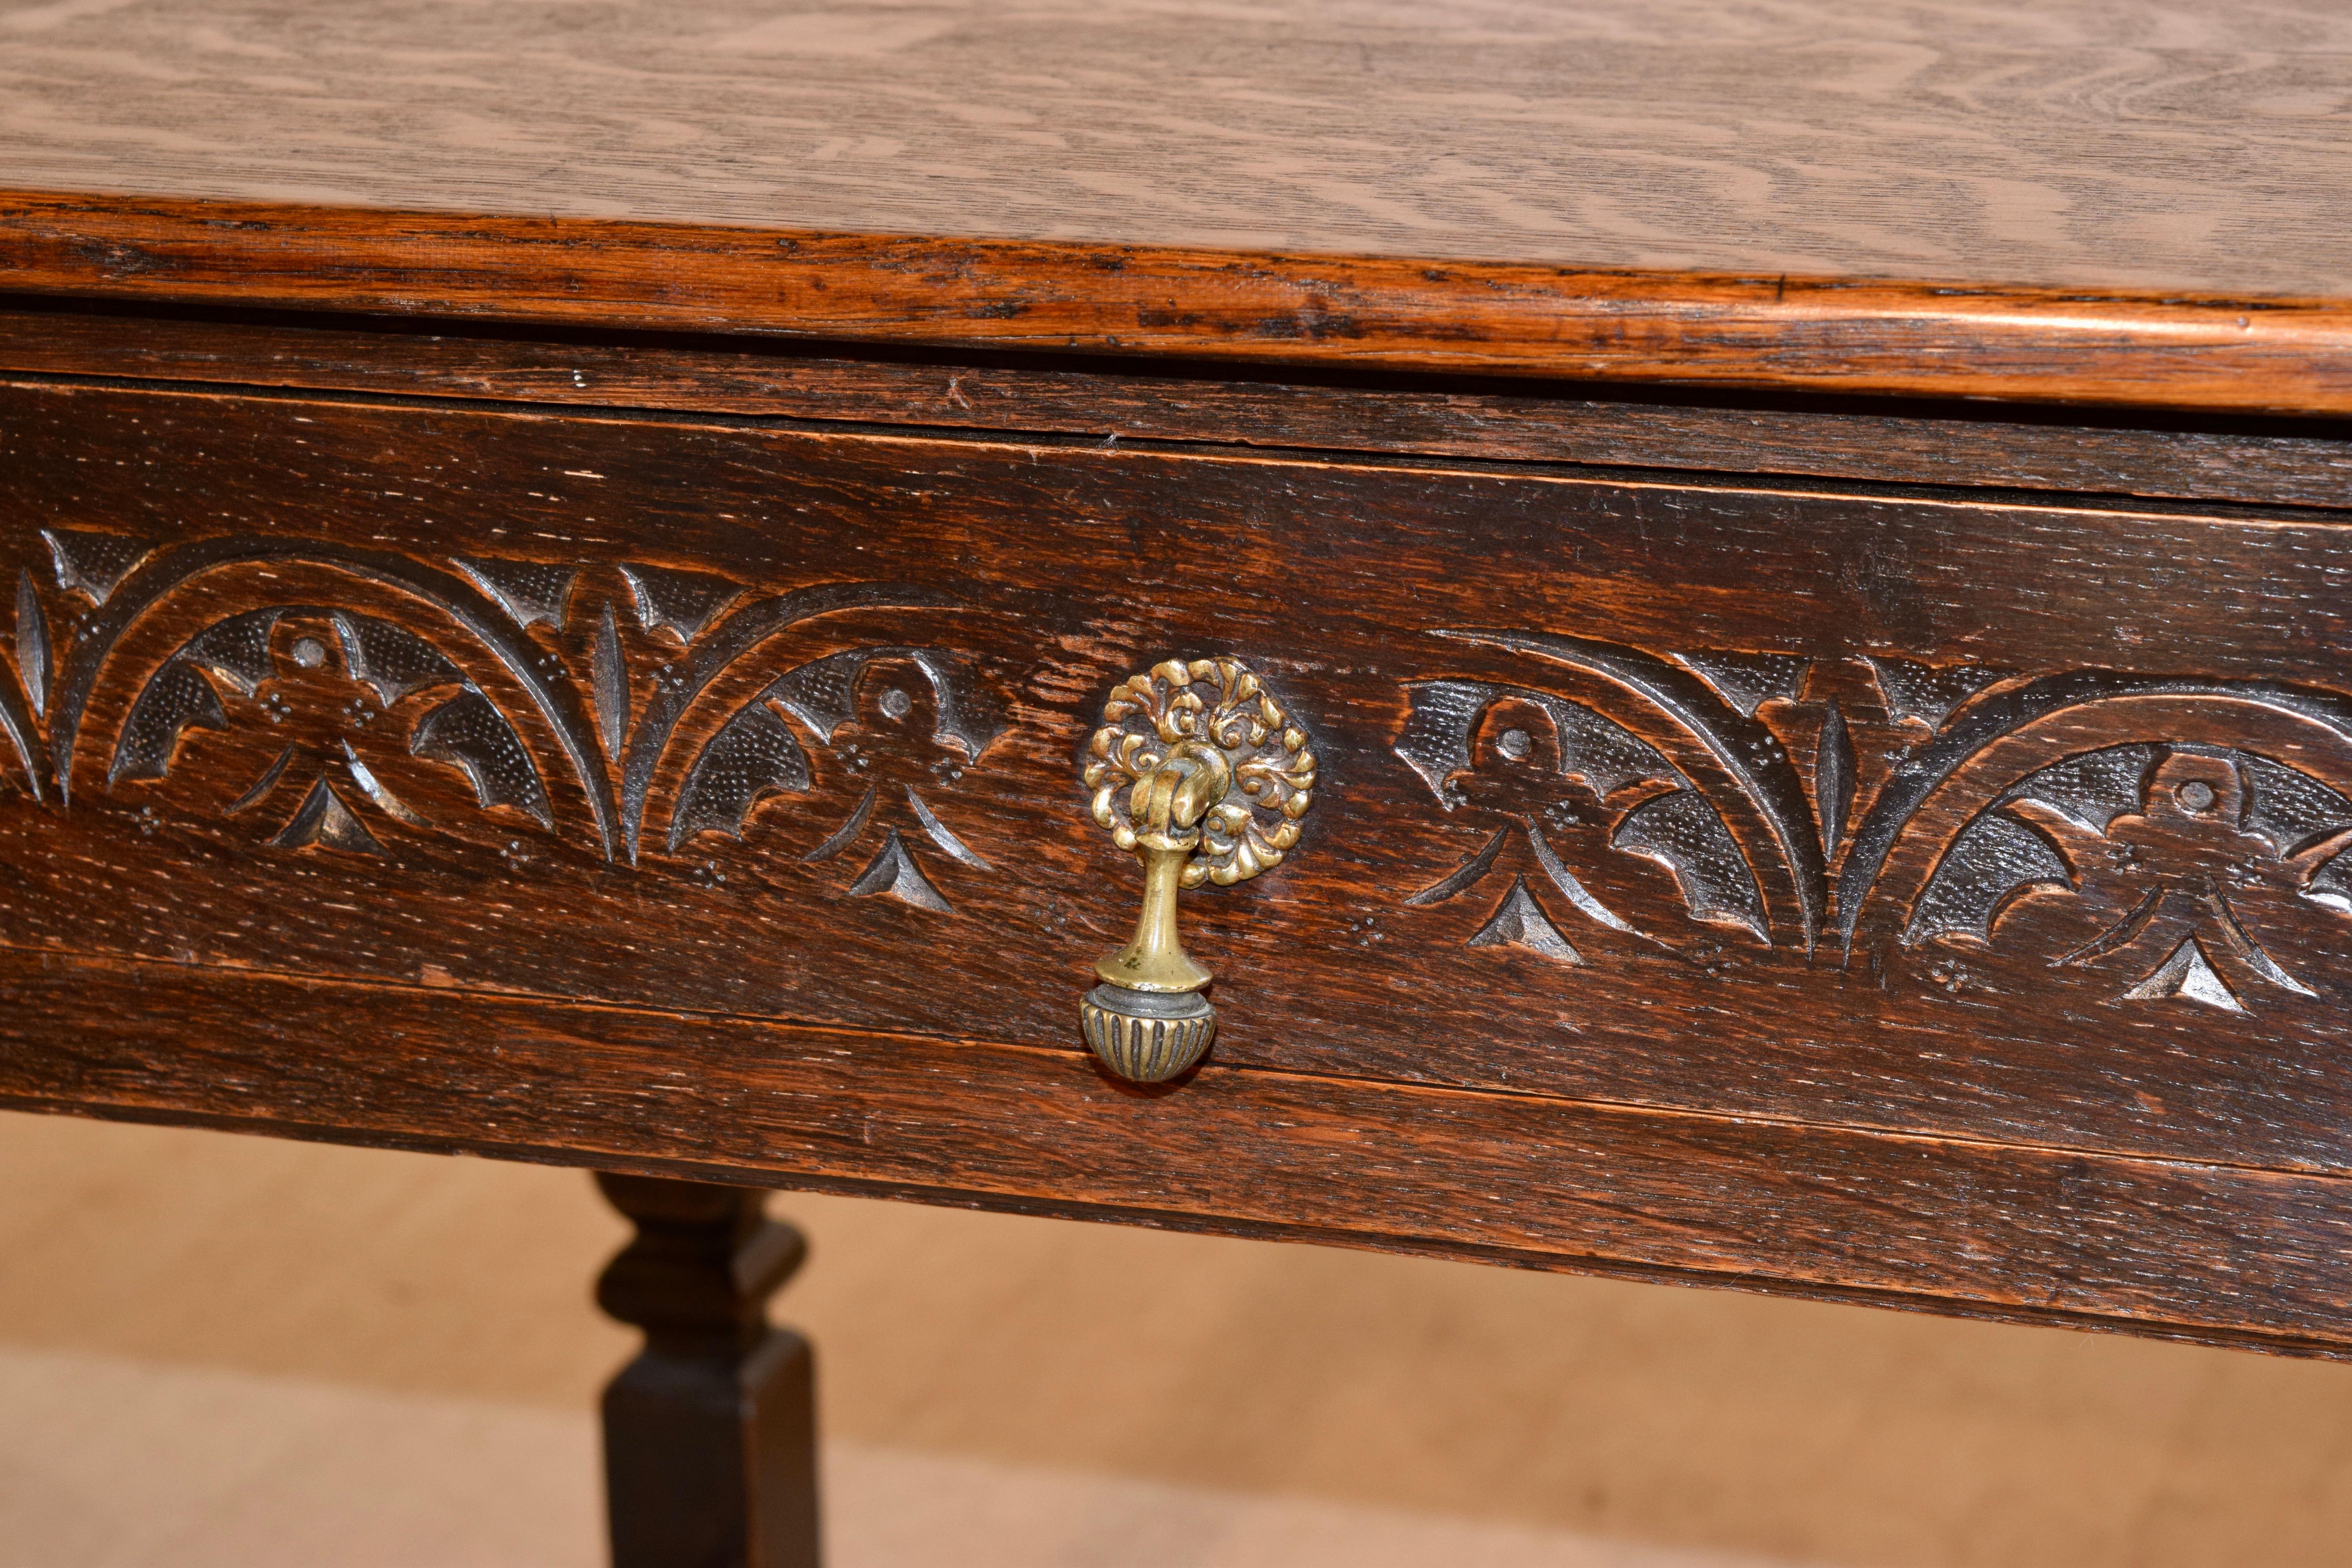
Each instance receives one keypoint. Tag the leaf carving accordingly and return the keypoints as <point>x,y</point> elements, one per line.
<point>468,732</point>
<point>1995,859</point>
<point>1682,831</point>
<point>822,694</point>
<point>391,660</point>
<point>177,699</point>
<point>681,604</point>
<point>752,755</point>
<point>92,563</point>
<point>530,590</point>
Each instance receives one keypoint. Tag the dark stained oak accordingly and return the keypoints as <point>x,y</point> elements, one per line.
<point>1125,400</point>
<point>710,1432</point>
<point>556,575</point>
<point>2183,145</point>
<point>1855,810</point>
<point>2220,349</point>
<point>2174,1248</point>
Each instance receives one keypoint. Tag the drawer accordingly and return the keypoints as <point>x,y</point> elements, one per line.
<point>1705,876</point>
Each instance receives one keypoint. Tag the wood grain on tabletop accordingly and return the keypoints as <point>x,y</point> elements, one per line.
<point>1126,400</point>
<point>1982,818</point>
<point>2196,145</point>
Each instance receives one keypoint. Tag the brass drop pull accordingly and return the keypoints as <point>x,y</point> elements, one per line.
<point>1201,774</point>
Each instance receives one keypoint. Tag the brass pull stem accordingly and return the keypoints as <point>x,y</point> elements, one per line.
<point>1168,804</point>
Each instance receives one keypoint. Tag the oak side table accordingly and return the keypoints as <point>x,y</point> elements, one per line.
<point>1672,642</point>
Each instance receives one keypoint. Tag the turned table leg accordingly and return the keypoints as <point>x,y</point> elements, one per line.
<point>710,1432</point>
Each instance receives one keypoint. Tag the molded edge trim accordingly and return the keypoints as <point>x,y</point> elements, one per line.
<point>1843,335</point>
<point>2026,1315</point>
<point>2175,1250</point>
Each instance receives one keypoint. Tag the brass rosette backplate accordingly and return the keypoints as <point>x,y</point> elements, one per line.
<point>1219,701</point>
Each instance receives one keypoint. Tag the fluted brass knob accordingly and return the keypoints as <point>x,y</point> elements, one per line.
<point>1201,774</point>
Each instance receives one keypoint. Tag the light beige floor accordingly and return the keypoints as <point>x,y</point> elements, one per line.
<point>219,1350</point>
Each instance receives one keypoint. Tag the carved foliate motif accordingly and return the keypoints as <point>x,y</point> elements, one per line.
<point>2201,848</point>
<point>489,699</point>
<point>2169,866</point>
<point>351,693</point>
<point>2147,838</point>
<point>1548,769</point>
<point>900,721</point>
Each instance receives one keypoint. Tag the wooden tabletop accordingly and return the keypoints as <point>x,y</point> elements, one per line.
<point>2152,154</point>
<point>2204,144</point>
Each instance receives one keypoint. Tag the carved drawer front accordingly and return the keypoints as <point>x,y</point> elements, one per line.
<point>2011,821</point>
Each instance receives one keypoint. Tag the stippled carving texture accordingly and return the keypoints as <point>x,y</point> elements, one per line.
<point>483,706</point>
<point>2169,868</point>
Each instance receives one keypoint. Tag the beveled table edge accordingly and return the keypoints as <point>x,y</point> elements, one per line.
<point>1868,336</point>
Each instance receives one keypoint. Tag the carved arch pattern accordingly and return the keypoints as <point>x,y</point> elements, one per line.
<point>2188,851</point>
<point>2164,838</point>
<point>398,704</point>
